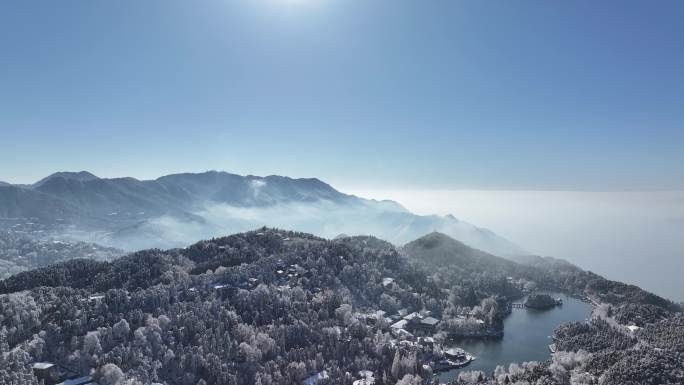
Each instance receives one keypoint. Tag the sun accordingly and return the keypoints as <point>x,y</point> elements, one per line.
<point>295,2</point>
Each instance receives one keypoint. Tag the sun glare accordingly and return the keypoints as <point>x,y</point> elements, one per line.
<point>295,2</point>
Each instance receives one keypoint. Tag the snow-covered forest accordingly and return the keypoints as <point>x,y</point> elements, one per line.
<point>276,307</point>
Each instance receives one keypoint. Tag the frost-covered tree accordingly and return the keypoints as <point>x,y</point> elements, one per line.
<point>109,374</point>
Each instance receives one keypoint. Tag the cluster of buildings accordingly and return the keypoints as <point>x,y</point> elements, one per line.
<point>522,284</point>
<point>408,325</point>
<point>286,276</point>
<point>414,331</point>
<point>290,275</point>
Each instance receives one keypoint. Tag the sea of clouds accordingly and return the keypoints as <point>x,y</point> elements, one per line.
<point>636,237</point>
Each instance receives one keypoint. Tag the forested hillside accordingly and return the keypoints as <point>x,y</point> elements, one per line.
<point>275,307</point>
<point>451,260</point>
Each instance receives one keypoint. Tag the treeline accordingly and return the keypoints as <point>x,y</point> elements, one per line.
<point>640,315</point>
<point>272,307</point>
<point>667,334</point>
<point>138,270</point>
<point>77,273</point>
<point>596,336</point>
<point>618,293</point>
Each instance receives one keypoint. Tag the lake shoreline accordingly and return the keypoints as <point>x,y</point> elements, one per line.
<point>526,336</point>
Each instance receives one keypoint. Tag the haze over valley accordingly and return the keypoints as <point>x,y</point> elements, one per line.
<point>179,209</point>
<point>621,235</point>
<point>617,234</point>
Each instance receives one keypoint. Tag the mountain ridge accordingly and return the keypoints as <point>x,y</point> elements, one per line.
<point>176,209</point>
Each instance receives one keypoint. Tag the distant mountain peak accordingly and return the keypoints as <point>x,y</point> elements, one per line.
<point>434,238</point>
<point>437,250</point>
<point>81,176</point>
<point>310,182</point>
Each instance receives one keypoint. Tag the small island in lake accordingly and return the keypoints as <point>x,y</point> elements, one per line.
<point>542,301</point>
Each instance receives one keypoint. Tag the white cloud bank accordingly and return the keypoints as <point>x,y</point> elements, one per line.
<point>635,237</point>
<point>328,219</point>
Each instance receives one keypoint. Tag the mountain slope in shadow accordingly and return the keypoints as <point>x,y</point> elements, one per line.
<point>178,209</point>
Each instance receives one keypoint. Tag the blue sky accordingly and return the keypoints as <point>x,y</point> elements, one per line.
<point>570,95</point>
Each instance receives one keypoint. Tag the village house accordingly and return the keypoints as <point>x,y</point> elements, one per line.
<point>427,324</point>
<point>398,331</point>
<point>46,371</point>
<point>417,322</point>
<point>49,373</point>
<point>373,317</point>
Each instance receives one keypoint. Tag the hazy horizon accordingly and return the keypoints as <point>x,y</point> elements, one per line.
<point>619,234</point>
<point>633,237</point>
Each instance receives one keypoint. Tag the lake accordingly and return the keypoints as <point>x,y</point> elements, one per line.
<point>527,335</point>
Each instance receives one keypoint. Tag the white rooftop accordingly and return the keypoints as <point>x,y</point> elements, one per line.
<point>43,365</point>
<point>413,316</point>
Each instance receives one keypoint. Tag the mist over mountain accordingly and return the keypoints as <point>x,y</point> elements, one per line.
<point>20,253</point>
<point>618,234</point>
<point>178,209</point>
